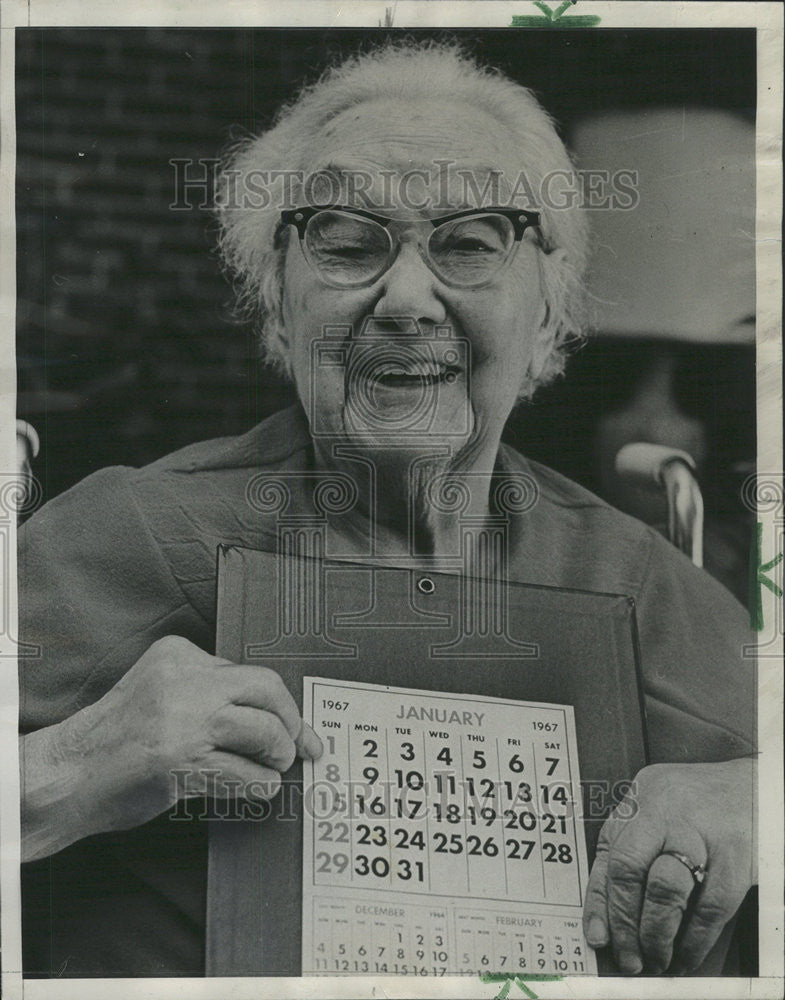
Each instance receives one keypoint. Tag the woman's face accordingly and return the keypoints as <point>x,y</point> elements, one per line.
<point>455,380</point>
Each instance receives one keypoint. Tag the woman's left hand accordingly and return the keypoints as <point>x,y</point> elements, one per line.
<point>639,888</point>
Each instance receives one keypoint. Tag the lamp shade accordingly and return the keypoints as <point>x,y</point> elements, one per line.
<point>680,263</point>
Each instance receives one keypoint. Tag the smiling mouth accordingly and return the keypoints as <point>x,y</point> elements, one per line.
<point>413,376</point>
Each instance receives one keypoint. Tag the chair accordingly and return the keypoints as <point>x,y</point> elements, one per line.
<point>672,470</point>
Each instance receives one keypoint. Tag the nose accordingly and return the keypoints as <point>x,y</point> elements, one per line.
<point>409,288</point>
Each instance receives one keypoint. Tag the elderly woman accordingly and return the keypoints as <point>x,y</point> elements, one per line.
<point>410,179</point>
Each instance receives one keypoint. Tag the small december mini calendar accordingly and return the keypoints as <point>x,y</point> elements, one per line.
<point>441,835</point>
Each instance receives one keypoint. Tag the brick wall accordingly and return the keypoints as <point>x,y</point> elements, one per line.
<point>127,347</point>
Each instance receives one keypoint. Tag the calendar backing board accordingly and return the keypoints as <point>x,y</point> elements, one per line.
<point>377,624</point>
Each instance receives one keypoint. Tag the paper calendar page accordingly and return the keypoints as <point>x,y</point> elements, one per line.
<point>441,835</point>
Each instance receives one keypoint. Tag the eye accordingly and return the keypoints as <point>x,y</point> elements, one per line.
<point>474,237</point>
<point>469,244</point>
<point>350,251</point>
<point>339,237</point>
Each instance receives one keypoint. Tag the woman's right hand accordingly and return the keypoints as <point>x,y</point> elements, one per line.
<point>179,724</point>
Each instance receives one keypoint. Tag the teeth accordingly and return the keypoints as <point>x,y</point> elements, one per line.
<point>424,370</point>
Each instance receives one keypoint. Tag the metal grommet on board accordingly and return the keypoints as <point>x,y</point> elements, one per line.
<point>426,585</point>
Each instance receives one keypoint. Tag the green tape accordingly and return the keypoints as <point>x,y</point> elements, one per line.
<point>554,17</point>
<point>508,978</point>
<point>758,579</point>
<point>533,21</point>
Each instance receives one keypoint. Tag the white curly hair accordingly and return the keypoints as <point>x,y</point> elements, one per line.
<point>410,71</point>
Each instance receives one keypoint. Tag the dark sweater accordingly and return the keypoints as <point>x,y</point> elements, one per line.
<point>129,556</point>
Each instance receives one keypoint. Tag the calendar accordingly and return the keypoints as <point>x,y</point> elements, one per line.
<point>441,835</point>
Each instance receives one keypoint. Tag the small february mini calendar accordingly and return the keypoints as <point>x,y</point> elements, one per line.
<point>442,835</point>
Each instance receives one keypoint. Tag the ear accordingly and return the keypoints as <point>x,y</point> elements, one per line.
<point>544,339</point>
<point>542,347</point>
<point>281,333</point>
<point>283,338</point>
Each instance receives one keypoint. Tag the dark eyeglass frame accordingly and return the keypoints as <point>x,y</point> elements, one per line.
<point>521,219</point>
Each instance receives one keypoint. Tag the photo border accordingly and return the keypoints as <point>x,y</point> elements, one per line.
<point>768,19</point>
